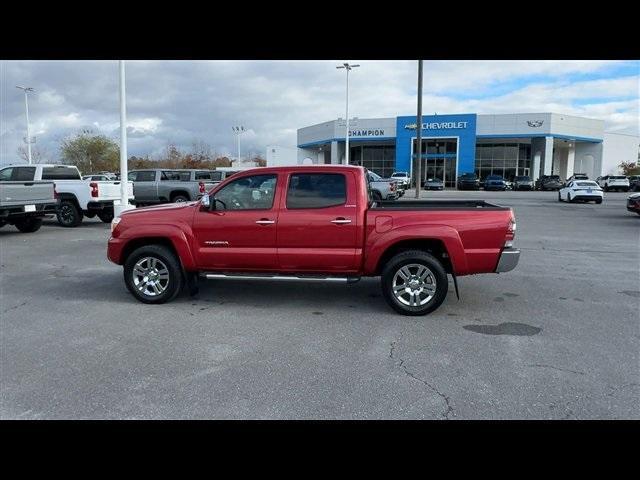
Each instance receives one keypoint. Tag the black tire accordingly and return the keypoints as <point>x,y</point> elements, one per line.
<point>179,198</point>
<point>406,258</point>
<point>569,198</point>
<point>559,197</point>
<point>106,217</point>
<point>376,196</point>
<point>599,201</point>
<point>170,261</point>
<point>90,214</point>
<point>68,214</point>
<point>29,225</point>
<point>606,188</point>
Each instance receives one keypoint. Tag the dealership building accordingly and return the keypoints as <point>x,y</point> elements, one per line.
<point>531,144</point>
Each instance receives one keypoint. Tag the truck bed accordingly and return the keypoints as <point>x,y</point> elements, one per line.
<point>437,205</point>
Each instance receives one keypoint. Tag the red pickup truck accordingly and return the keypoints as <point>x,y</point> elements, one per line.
<point>312,223</point>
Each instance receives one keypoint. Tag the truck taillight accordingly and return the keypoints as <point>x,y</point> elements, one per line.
<point>511,228</point>
<point>202,188</point>
<point>94,189</point>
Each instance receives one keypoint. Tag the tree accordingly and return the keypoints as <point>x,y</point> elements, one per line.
<point>630,168</point>
<point>90,152</point>
<point>38,154</point>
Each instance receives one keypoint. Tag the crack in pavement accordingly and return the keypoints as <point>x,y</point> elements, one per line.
<point>615,390</point>
<point>15,307</point>
<point>446,399</point>
<point>556,368</point>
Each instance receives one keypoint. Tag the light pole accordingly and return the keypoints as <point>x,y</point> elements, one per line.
<point>348,68</point>
<point>26,109</point>
<point>238,130</point>
<point>124,172</point>
<point>419,131</point>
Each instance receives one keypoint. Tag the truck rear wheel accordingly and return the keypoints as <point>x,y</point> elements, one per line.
<point>106,217</point>
<point>28,225</point>
<point>68,214</point>
<point>179,199</point>
<point>414,282</point>
<point>152,274</point>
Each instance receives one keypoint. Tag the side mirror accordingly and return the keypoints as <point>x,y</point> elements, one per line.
<point>206,201</point>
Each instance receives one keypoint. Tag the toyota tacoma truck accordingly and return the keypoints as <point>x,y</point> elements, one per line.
<point>24,203</point>
<point>78,198</point>
<point>311,224</point>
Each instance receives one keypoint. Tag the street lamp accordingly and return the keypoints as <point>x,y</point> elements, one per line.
<point>26,109</point>
<point>238,130</point>
<point>348,68</point>
<point>124,172</point>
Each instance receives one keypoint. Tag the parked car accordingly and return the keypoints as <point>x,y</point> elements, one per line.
<point>581,190</point>
<point>523,182</point>
<point>494,182</point>
<point>317,224</point>
<point>78,198</point>
<point>99,178</point>
<point>382,189</point>
<point>403,178</point>
<point>614,182</point>
<point>23,202</point>
<point>508,184</point>
<point>577,176</point>
<point>163,185</point>
<point>633,203</point>
<point>468,181</point>
<point>549,182</point>
<point>634,183</point>
<point>433,184</point>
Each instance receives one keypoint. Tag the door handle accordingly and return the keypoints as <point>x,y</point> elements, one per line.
<point>341,221</point>
<point>264,221</point>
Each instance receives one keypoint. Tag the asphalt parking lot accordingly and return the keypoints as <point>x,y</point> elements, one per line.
<point>557,338</point>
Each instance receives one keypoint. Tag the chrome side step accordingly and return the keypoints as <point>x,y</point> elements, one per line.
<point>300,278</point>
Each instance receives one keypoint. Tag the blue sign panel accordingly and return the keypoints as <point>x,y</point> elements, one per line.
<point>462,127</point>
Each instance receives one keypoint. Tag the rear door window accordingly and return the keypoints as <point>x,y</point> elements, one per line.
<point>316,190</point>
<point>203,176</point>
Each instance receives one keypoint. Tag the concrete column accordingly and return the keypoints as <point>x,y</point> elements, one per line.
<point>535,168</point>
<point>548,155</point>
<point>334,152</point>
<point>571,157</point>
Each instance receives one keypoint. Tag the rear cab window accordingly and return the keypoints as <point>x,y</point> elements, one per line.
<point>21,174</point>
<point>60,173</point>
<point>316,190</point>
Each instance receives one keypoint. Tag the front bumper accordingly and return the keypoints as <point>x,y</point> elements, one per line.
<point>508,260</point>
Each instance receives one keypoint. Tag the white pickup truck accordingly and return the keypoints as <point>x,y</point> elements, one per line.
<point>78,197</point>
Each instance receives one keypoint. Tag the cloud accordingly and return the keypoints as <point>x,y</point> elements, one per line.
<point>183,101</point>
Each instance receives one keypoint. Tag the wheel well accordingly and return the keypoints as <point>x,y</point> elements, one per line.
<point>70,197</point>
<point>430,245</point>
<point>141,242</point>
<point>175,193</point>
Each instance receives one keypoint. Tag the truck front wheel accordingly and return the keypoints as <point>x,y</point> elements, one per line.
<point>414,282</point>
<point>152,274</point>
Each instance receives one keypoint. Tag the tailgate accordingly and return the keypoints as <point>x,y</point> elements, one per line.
<point>111,190</point>
<point>18,193</point>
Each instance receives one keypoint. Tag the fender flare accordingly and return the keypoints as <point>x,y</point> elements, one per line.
<point>447,235</point>
<point>173,233</point>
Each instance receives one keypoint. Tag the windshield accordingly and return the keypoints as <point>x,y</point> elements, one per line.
<point>375,176</point>
<point>618,177</point>
<point>522,179</point>
<point>399,174</point>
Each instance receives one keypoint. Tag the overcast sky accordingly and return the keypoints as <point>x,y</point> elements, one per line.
<point>183,101</point>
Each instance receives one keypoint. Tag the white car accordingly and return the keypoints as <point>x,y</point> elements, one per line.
<point>403,178</point>
<point>614,182</point>
<point>580,190</point>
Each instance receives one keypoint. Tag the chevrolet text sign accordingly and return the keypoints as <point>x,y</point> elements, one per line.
<point>438,125</point>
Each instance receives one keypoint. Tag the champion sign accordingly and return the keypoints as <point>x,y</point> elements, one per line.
<point>366,133</point>
<point>437,125</point>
